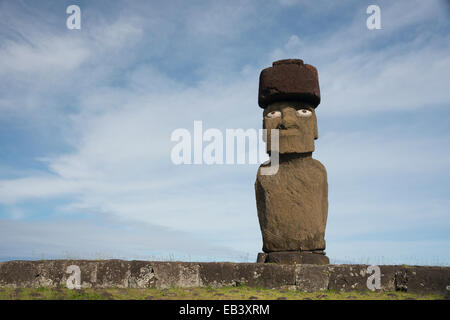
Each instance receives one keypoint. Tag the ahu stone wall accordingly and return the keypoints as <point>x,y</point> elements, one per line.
<point>146,274</point>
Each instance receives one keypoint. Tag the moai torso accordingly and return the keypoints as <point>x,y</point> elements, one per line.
<point>293,203</point>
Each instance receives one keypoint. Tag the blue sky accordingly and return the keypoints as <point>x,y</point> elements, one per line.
<point>86,117</point>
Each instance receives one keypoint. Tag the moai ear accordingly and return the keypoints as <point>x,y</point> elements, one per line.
<point>316,129</point>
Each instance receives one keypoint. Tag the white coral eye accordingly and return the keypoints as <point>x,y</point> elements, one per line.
<point>274,114</point>
<point>304,113</point>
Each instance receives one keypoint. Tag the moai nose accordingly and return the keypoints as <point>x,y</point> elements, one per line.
<point>288,119</point>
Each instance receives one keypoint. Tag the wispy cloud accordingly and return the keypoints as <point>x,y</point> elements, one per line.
<point>367,71</point>
<point>86,239</point>
<point>112,94</point>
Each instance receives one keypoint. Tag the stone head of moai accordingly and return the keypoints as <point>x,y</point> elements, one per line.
<point>293,203</point>
<point>289,93</point>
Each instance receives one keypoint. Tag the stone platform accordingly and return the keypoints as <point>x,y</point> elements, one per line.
<point>145,274</point>
<point>294,257</point>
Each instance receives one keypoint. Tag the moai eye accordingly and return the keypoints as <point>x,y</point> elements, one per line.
<point>304,113</point>
<point>274,114</point>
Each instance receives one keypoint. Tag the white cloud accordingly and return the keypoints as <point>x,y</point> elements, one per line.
<point>367,83</point>
<point>122,111</point>
<point>356,76</point>
<point>383,151</point>
<point>12,191</point>
<point>293,43</point>
<point>381,252</point>
<point>87,239</point>
<point>120,164</point>
<point>219,19</point>
<point>48,55</point>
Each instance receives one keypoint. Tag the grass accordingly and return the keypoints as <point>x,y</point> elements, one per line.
<point>204,293</point>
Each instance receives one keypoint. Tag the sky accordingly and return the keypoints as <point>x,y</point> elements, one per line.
<point>86,118</point>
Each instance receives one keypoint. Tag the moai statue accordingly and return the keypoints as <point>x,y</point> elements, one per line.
<point>293,203</point>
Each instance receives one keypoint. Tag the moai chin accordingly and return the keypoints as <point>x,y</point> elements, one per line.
<point>293,203</point>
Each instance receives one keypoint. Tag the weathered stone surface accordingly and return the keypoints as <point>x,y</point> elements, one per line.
<point>311,278</point>
<point>297,257</point>
<point>348,277</point>
<point>267,276</point>
<point>355,277</point>
<point>115,273</point>
<point>401,280</point>
<point>218,274</point>
<point>100,274</point>
<point>387,277</point>
<point>293,205</point>
<point>144,274</point>
<point>297,126</point>
<point>289,79</point>
<point>428,279</point>
<point>29,274</point>
<point>250,274</point>
<point>262,257</point>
